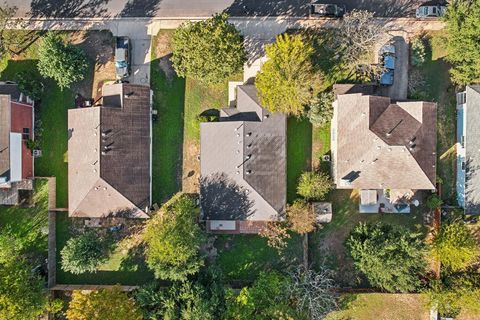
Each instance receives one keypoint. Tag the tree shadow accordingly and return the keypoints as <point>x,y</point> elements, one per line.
<point>140,8</point>
<point>68,9</point>
<point>134,260</point>
<point>268,8</point>
<point>222,198</point>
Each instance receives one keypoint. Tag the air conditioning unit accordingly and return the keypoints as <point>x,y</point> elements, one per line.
<point>37,153</point>
<point>326,158</point>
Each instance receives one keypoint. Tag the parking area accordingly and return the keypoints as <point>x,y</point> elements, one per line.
<point>399,89</point>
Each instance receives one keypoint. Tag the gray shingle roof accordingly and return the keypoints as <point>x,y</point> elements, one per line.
<point>472,151</point>
<point>109,154</point>
<point>243,162</point>
<point>373,148</point>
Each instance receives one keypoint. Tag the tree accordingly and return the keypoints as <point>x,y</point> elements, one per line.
<point>314,291</point>
<point>61,61</point>
<point>462,18</point>
<point>434,202</point>
<point>355,36</point>
<point>30,84</point>
<point>210,51</point>
<point>314,185</point>
<point>173,239</point>
<point>418,51</point>
<point>22,294</point>
<point>103,305</point>
<point>391,257</point>
<point>276,234</point>
<point>321,109</point>
<point>455,246</point>
<point>83,253</point>
<point>301,217</point>
<point>266,299</point>
<point>6,13</point>
<point>286,80</point>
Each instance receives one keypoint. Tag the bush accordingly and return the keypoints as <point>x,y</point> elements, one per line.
<point>418,51</point>
<point>321,109</point>
<point>63,62</point>
<point>30,84</point>
<point>301,217</point>
<point>313,185</point>
<point>391,257</point>
<point>434,202</point>
<point>455,246</point>
<point>210,51</point>
<point>286,80</point>
<point>83,253</point>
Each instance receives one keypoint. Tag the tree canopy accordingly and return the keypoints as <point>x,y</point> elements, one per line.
<point>455,246</point>
<point>286,80</point>
<point>210,51</point>
<point>301,218</point>
<point>463,30</point>
<point>321,109</point>
<point>63,62</point>
<point>314,185</point>
<point>83,253</point>
<point>391,257</point>
<point>103,305</point>
<point>173,239</point>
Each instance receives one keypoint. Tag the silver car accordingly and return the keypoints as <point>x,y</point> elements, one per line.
<point>122,57</point>
<point>430,11</point>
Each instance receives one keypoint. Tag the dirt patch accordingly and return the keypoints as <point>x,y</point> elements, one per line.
<point>99,48</point>
<point>163,50</point>
<point>191,166</point>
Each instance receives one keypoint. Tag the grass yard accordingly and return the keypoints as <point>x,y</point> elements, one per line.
<point>121,267</point>
<point>438,88</point>
<point>29,226</point>
<point>299,153</point>
<point>243,257</point>
<point>381,306</point>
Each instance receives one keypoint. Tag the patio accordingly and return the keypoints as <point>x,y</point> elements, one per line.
<point>386,201</point>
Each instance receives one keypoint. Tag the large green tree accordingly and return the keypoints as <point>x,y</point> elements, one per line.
<point>61,61</point>
<point>210,51</point>
<point>463,34</point>
<point>83,253</point>
<point>286,80</point>
<point>173,239</point>
<point>314,185</point>
<point>104,304</point>
<point>391,257</point>
<point>455,246</point>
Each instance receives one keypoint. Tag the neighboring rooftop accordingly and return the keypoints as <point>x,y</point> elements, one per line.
<point>472,150</point>
<point>377,144</point>
<point>109,153</point>
<point>243,162</point>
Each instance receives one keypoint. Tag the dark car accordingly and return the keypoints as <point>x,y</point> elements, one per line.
<point>328,10</point>
<point>122,57</point>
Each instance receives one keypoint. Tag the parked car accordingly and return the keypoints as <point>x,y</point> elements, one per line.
<point>122,57</point>
<point>328,10</point>
<point>436,11</point>
<point>387,62</point>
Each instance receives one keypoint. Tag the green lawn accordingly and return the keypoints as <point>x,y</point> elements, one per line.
<point>168,99</point>
<point>299,153</point>
<point>29,225</point>
<point>126,268</point>
<point>439,89</point>
<point>243,257</point>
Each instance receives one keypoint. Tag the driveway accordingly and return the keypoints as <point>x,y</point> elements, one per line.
<point>399,89</point>
<point>198,8</point>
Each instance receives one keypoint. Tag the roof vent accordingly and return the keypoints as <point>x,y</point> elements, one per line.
<point>249,134</point>
<point>412,147</point>
<point>129,94</point>
<point>266,116</point>
<point>412,141</point>
<point>249,172</point>
<point>374,160</point>
<point>249,156</point>
<point>249,146</point>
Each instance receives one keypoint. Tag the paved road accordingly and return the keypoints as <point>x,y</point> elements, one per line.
<point>197,8</point>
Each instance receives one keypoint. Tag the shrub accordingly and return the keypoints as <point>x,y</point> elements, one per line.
<point>63,62</point>
<point>30,84</point>
<point>434,202</point>
<point>301,217</point>
<point>83,253</point>
<point>210,51</point>
<point>321,109</point>
<point>313,185</point>
<point>418,51</point>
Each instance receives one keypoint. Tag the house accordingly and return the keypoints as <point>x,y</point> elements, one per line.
<point>468,149</point>
<point>109,154</point>
<point>16,159</point>
<point>385,149</point>
<point>243,166</point>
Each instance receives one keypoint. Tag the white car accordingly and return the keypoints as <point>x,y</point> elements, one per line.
<point>430,11</point>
